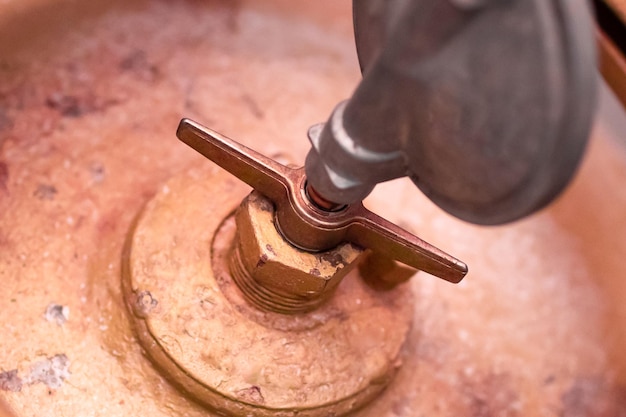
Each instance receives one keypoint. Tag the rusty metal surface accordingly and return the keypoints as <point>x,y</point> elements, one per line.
<point>86,133</point>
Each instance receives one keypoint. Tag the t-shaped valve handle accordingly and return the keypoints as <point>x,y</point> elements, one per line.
<point>303,222</point>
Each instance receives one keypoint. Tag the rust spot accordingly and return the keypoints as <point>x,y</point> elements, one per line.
<point>593,396</point>
<point>233,8</point>
<point>76,106</point>
<point>549,380</point>
<point>145,303</point>
<point>315,271</point>
<point>56,313</point>
<point>339,315</point>
<point>228,10</point>
<point>4,176</point>
<point>401,407</point>
<point>263,260</point>
<point>334,259</point>
<point>265,205</point>
<point>251,395</point>
<point>270,249</point>
<point>134,60</point>
<point>45,192</point>
<point>492,395</point>
<point>106,225</point>
<point>50,371</point>
<point>9,381</point>
<point>6,123</point>
<point>97,172</point>
<point>68,106</point>
<point>137,62</point>
<point>253,106</point>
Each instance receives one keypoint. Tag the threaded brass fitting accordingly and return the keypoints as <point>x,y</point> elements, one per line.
<point>273,274</point>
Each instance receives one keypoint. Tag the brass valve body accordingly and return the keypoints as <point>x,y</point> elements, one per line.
<point>199,328</point>
<point>276,276</point>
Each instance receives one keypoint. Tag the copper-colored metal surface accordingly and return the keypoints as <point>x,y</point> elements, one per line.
<point>305,225</point>
<point>612,66</point>
<point>4,410</point>
<point>88,107</point>
<point>610,32</point>
<point>618,6</point>
<point>277,276</point>
<point>197,326</point>
<point>317,199</point>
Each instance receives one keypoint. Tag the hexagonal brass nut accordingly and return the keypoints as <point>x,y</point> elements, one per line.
<point>275,268</point>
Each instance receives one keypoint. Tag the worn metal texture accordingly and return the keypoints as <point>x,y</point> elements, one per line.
<point>274,274</point>
<point>90,96</point>
<point>487,108</point>
<point>205,335</point>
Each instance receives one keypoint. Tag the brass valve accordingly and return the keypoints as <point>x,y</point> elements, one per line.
<point>305,223</point>
<point>273,274</point>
